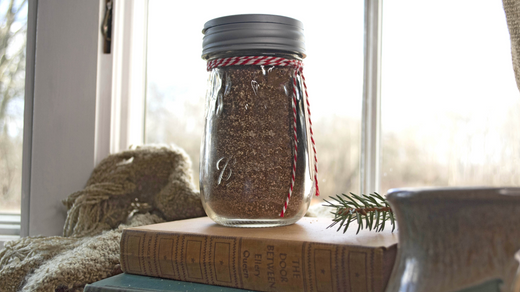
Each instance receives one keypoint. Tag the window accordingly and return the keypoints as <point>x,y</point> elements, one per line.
<point>448,100</point>
<point>70,107</point>
<point>177,77</point>
<point>450,104</point>
<point>13,20</point>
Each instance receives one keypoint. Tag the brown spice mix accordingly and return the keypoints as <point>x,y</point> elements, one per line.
<point>252,144</point>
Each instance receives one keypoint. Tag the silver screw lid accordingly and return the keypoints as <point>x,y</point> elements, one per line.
<point>253,32</point>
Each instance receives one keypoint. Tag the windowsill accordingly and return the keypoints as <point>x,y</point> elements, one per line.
<point>9,228</point>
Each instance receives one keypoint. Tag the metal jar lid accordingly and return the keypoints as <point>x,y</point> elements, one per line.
<point>253,32</point>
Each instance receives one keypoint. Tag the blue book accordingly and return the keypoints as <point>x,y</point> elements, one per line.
<point>136,283</point>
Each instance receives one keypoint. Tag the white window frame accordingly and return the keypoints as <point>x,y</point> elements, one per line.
<point>370,164</point>
<point>79,101</point>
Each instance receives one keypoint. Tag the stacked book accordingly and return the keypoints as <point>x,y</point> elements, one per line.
<point>305,256</point>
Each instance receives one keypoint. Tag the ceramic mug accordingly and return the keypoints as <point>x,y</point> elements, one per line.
<point>517,279</point>
<point>452,239</point>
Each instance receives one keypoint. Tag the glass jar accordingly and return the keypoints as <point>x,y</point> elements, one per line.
<point>255,151</point>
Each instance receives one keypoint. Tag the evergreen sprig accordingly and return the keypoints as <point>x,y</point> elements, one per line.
<point>373,209</point>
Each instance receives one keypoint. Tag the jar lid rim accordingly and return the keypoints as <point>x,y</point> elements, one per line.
<point>252,18</point>
<point>253,32</point>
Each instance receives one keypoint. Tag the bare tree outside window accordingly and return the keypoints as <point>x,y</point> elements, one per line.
<point>450,105</point>
<point>13,29</point>
<point>449,101</point>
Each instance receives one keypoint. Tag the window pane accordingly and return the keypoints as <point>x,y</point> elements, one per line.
<point>450,105</point>
<point>13,20</point>
<point>333,70</point>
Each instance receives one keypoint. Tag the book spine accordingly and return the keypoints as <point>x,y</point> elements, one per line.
<point>253,263</point>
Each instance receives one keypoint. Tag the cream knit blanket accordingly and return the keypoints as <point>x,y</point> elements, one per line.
<point>137,187</point>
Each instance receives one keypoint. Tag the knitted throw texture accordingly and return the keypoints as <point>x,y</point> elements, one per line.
<point>137,187</point>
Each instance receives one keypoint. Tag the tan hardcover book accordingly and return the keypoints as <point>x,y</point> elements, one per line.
<point>305,256</point>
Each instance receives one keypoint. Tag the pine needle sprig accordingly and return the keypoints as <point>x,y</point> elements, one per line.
<point>373,210</point>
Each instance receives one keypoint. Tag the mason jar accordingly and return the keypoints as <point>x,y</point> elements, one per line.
<point>257,146</point>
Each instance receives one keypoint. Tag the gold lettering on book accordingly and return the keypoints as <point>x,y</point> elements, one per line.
<point>270,266</point>
<point>283,266</point>
<point>296,270</point>
<point>245,257</point>
<point>258,263</point>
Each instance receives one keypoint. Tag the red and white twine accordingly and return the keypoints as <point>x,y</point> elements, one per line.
<point>253,60</point>
<point>277,61</point>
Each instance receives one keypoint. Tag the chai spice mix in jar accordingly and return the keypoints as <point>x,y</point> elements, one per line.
<point>258,142</point>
